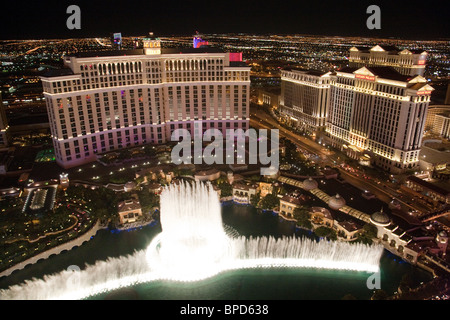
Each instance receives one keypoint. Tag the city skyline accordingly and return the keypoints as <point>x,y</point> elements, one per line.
<point>398,19</point>
<point>346,166</point>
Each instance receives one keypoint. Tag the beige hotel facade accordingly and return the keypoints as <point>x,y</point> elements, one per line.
<point>378,113</point>
<point>374,110</point>
<point>108,100</point>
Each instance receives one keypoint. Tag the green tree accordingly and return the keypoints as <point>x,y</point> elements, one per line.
<point>370,230</point>
<point>326,232</point>
<point>270,201</point>
<point>254,199</point>
<point>368,233</point>
<point>226,189</point>
<point>301,214</point>
<point>148,200</point>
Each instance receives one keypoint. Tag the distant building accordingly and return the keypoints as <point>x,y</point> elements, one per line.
<point>406,62</point>
<point>304,97</point>
<point>198,41</point>
<point>428,189</point>
<point>129,210</point>
<point>270,98</point>
<point>442,125</point>
<point>116,40</point>
<point>432,158</point>
<point>438,120</point>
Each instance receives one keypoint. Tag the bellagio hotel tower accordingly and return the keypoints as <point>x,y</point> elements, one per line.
<point>108,100</point>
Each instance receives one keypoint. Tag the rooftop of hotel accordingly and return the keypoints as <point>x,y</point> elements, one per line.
<point>350,226</point>
<point>134,52</point>
<point>292,200</point>
<point>382,72</point>
<point>389,49</point>
<point>311,72</point>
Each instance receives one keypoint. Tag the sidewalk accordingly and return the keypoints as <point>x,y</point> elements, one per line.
<point>55,250</point>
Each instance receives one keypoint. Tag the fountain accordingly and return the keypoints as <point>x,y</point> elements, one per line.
<point>194,245</point>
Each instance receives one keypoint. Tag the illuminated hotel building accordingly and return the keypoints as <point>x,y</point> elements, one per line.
<point>407,62</point>
<point>304,97</point>
<point>110,100</point>
<point>438,120</point>
<point>379,114</point>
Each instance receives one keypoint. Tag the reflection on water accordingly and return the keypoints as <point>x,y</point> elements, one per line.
<point>242,284</point>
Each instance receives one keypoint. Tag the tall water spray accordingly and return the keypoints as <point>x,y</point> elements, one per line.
<point>194,245</point>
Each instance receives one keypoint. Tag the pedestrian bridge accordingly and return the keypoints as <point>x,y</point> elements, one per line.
<point>325,198</point>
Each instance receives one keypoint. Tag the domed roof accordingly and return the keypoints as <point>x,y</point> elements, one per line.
<point>310,184</point>
<point>380,218</point>
<point>336,202</point>
<point>130,185</point>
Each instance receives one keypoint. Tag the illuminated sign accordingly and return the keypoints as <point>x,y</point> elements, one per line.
<point>364,77</point>
<point>424,92</point>
<point>421,62</point>
<point>235,56</point>
<point>198,42</point>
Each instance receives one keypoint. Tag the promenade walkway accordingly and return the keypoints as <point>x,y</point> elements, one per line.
<point>55,250</point>
<point>325,198</point>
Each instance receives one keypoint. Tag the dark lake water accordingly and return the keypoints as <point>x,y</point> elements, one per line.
<point>269,284</point>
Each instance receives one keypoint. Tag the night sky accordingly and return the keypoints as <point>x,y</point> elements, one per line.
<point>410,19</point>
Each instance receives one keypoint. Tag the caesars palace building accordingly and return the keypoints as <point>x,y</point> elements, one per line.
<point>108,100</point>
<point>374,110</point>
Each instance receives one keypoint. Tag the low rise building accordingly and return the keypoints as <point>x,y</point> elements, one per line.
<point>288,204</point>
<point>428,189</point>
<point>243,192</point>
<point>347,230</point>
<point>269,97</point>
<point>321,217</point>
<point>129,210</point>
